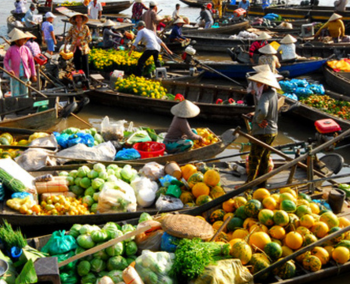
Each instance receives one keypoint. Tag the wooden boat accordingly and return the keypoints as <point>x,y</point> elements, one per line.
<point>231,28</point>
<point>108,7</point>
<point>281,31</point>
<point>339,81</point>
<point>194,3</point>
<point>11,24</point>
<point>205,96</point>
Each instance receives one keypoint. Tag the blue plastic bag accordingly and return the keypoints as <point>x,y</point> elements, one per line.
<point>291,96</point>
<point>82,138</point>
<point>303,92</point>
<point>287,86</point>
<point>127,154</point>
<point>62,140</point>
<point>300,83</point>
<point>2,192</point>
<point>166,180</point>
<point>167,243</point>
<point>317,89</point>
<point>22,195</point>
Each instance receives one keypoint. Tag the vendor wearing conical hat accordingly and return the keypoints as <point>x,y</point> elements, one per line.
<point>335,27</point>
<point>32,44</point>
<point>176,32</point>
<point>269,57</point>
<point>79,37</point>
<point>111,38</point>
<point>264,123</point>
<point>180,135</point>
<point>287,49</point>
<point>20,63</point>
<point>261,41</point>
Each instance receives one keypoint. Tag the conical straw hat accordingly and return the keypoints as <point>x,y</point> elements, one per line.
<point>179,21</point>
<point>72,18</point>
<point>17,34</point>
<point>288,39</point>
<point>267,49</point>
<point>11,33</point>
<point>262,68</point>
<point>335,17</point>
<point>263,36</point>
<point>266,78</point>
<point>30,35</point>
<point>185,109</point>
<point>109,23</point>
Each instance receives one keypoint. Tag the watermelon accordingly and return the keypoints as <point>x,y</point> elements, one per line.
<point>240,212</point>
<point>252,208</point>
<point>288,206</point>
<point>302,210</point>
<point>286,271</point>
<point>281,218</point>
<point>217,215</point>
<point>195,178</point>
<point>234,223</point>
<point>265,217</point>
<point>273,250</point>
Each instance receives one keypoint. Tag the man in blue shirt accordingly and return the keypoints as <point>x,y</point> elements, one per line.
<point>176,33</point>
<point>28,18</point>
<point>244,4</point>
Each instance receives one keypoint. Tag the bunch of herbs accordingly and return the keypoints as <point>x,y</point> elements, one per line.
<point>11,238</point>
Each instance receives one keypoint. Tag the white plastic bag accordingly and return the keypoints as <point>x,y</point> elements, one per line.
<point>116,196</point>
<point>152,170</point>
<point>165,202</point>
<point>145,191</point>
<point>113,131</point>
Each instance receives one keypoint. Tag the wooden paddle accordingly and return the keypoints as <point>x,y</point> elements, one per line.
<point>104,245</point>
<point>299,252</point>
<point>222,227</point>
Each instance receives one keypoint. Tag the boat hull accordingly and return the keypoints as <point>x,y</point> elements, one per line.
<point>339,81</point>
<point>226,29</point>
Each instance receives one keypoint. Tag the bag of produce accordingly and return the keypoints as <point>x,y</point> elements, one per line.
<point>168,203</point>
<point>116,196</point>
<point>154,267</point>
<point>303,92</point>
<point>151,239</point>
<point>59,243</point>
<point>113,131</point>
<point>127,154</point>
<point>152,170</point>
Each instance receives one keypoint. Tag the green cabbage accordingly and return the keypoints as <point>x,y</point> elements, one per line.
<point>98,138</point>
<point>75,230</point>
<point>80,250</point>
<point>116,249</point>
<point>94,208</point>
<point>99,167</point>
<point>89,191</point>
<point>83,268</point>
<point>97,183</point>
<point>117,173</point>
<point>86,229</point>
<point>77,190</point>
<point>116,276</point>
<point>63,173</point>
<point>85,182</point>
<point>110,172</point>
<point>128,173</point>
<point>77,181</point>
<point>113,179</point>
<point>145,217</point>
<point>131,259</point>
<point>70,180</point>
<point>130,248</point>
<point>92,174</point>
<point>99,236</point>
<point>83,171</point>
<point>85,241</point>
<point>101,255</point>
<point>90,278</point>
<point>73,173</point>
<point>127,228</point>
<point>95,196</point>
<point>97,265</point>
<point>93,131</point>
<point>88,200</point>
<point>103,175</point>
<point>112,167</point>
<point>117,263</point>
<point>112,230</point>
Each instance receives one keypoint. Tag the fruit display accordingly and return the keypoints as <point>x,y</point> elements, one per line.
<point>71,3</point>
<point>110,60</point>
<point>340,65</point>
<point>72,136</point>
<point>208,138</point>
<point>142,87</point>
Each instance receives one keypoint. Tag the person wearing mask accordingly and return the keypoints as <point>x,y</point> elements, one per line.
<point>176,32</point>
<point>29,17</point>
<point>20,63</point>
<point>32,44</point>
<point>176,13</point>
<point>206,15</point>
<point>269,57</point>
<point>79,37</point>
<point>151,18</point>
<point>180,136</point>
<point>264,123</point>
<point>261,41</point>
<point>137,10</point>
<point>49,35</point>
<point>95,10</point>
<point>287,48</point>
<point>335,27</point>
<point>153,46</point>
<point>110,38</point>
<point>244,4</point>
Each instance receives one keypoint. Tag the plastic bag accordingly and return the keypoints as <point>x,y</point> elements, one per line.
<point>303,92</point>
<point>81,138</point>
<point>138,136</point>
<point>168,203</point>
<point>154,267</point>
<point>166,180</point>
<point>141,183</point>
<point>35,159</point>
<point>62,257</point>
<point>291,96</point>
<point>152,170</point>
<point>59,243</point>
<point>150,242</point>
<point>167,243</point>
<point>116,196</point>
<point>127,154</point>
<point>300,83</point>
<point>225,271</point>
<point>287,86</point>
<point>69,278</point>
<point>113,131</point>
<point>49,141</point>
<point>317,89</point>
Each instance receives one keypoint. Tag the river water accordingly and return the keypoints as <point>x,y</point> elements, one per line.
<point>290,128</point>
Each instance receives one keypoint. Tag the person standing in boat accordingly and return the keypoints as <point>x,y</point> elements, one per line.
<point>287,48</point>
<point>176,32</point>
<point>205,15</point>
<point>261,41</point>
<point>32,44</point>
<point>110,38</point>
<point>79,36</point>
<point>335,27</point>
<point>29,17</point>
<point>176,13</point>
<point>180,136</point>
<point>49,35</point>
<point>137,10</point>
<point>153,46</point>
<point>95,10</point>
<point>244,4</point>
<point>20,6</point>
<point>264,123</point>
<point>340,5</point>
<point>20,63</point>
<point>269,57</point>
<point>151,18</point>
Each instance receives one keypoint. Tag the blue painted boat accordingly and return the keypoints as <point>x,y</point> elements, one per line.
<point>239,70</point>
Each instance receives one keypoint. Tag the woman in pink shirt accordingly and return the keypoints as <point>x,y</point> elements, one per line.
<point>20,63</point>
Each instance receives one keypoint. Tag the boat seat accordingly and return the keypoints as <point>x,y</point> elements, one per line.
<point>47,270</point>
<point>160,72</point>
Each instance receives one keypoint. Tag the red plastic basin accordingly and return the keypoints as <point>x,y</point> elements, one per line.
<point>150,149</point>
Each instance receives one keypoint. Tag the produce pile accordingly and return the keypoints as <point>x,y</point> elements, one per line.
<point>340,65</point>
<point>110,60</point>
<point>71,3</point>
<point>143,87</point>
<point>208,138</point>
<point>297,89</point>
<point>72,136</point>
<point>327,104</point>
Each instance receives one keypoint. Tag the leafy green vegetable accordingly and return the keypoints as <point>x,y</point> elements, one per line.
<point>97,265</point>
<point>117,263</point>
<point>88,200</point>
<point>89,278</point>
<point>116,276</point>
<point>127,228</point>
<point>101,255</point>
<point>128,173</point>
<point>145,217</point>
<point>99,236</point>
<point>83,268</point>
<point>97,183</point>
<point>86,229</point>
<point>115,250</point>
<point>85,241</point>
<point>99,167</point>
<point>11,238</point>
<point>92,174</point>
<point>28,274</point>
<point>130,248</point>
<point>75,230</point>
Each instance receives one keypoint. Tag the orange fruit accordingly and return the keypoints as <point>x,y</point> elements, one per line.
<point>269,203</point>
<point>276,196</point>
<point>286,251</point>
<point>343,222</point>
<point>259,240</point>
<point>211,177</point>
<point>294,240</point>
<point>320,229</point>
<point>312,263</point>
<point>188,170</point>
<point>229,205</point>
<point>314,208</point>
<point>307,221</point>
<point>289,190</point>
<point>260,194</point>
<point>228,215</point>
<point>301,257</point>
<point>321,253</point>
<point>329,249</point>
<point>277,232</point>
<point>341,255</point>
<point>200,188</point>
<point>249,222</point>
<point>303,231</point>
<point>217,225</point>
<point>239,201</point>
<point>258,228</point>
<point>240,234</point>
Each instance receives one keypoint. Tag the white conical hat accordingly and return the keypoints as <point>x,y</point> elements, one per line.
<point>267,49</point>
<point>179,21</point>
<point>266,78</point>
<point>288,39</point>
<point>262,68</point>
<point>263,36</point>
<point>335,17</point>
<point>109,23</point>
<point>30,35</point>
<point>17,34</point>
<point>185,109</point>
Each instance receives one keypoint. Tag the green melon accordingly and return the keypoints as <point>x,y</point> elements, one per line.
<point>309,239</point>
<point>303,210</point>
<point>273,250</point>
<point>234,223</point>
<point>195,178</point>
<point>240,212</point>
<point>260,265</point>
<point>4,141</point>
<point>265,217</point>
<point>288,206</point>
<point>242,251</point>
<point>286,271</point>
<point>281,218</point>
<point>252,208</point>
<point>259,256</point>
<point>217,215</point>
<point>330,219</point>
<point>304,196</point>
<point>344,243</point>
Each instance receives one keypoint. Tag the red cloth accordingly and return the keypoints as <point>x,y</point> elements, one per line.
<point>256,45</point>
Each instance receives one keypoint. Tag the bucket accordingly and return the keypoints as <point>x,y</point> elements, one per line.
<point>150,149</point>
<point>173,169</point>
<point>336,200</point>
